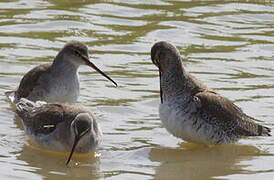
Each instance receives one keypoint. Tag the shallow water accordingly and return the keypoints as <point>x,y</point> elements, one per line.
<point>227,45</point>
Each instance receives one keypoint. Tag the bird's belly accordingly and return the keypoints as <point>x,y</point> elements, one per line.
<point>185,125</point>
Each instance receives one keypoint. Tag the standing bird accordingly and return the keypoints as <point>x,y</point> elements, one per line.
<point>193,112</point>
<point>60,127</point>
<point>57,81</point>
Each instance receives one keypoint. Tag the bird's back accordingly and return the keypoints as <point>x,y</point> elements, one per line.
<point>30,80</point>
<point>40,114</point>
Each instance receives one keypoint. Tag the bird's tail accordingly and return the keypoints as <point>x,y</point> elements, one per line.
<point>25,106</point>
<point>11,96</point>
<point>259,130</point>
<point>251,127</point>
<point>264,131</point>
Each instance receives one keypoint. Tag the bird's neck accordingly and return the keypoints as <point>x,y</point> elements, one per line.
<point>62,65</point>
<point>174,82</point>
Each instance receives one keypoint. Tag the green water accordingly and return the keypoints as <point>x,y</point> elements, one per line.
<point>229,45</point>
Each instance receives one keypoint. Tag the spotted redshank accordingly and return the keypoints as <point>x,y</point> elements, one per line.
<point>57,81</point>
<point>60,127</point>
<point>191,111</point>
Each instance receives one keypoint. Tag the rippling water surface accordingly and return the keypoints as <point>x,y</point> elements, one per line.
<point>227,45</point>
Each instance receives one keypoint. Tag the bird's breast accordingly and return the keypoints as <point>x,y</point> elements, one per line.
<point>64,90</point>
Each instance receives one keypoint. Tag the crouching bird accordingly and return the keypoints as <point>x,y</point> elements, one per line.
<point>60,127</point>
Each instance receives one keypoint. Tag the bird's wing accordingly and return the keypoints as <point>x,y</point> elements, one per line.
<point>220,111</point>
<point>44,119</point>
<point>194,84</point>
<point>30,81</point>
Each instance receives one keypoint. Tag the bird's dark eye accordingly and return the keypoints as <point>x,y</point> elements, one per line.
<point>77,53</point>
<point>156,58</point>
<point>157,61</point>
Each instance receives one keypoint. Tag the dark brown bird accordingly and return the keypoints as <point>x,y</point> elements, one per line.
<point>192,111</point>
<point>60,127</point>
<point>57,81</point>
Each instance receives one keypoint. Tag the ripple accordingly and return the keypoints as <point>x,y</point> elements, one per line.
<point>228,45</point>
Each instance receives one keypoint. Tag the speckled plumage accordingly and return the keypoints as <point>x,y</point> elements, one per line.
<point>192,111</point>
<point>55,126</point>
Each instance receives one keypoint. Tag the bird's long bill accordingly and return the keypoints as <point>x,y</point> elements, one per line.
<point>76,140</point>
<point>161,92</point>
<point>90,64</point>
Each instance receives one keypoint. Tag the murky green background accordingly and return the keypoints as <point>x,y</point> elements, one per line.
<point>227,44</point>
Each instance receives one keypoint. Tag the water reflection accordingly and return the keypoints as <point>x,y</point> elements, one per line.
<point>51,165</point>
<point>226,44</point>
<point>201,162</point>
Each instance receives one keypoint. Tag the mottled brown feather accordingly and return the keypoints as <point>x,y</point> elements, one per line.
<point>222,112</point>
<point>30,80</point>
<point>194,84</point>
<point>43,119</point>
